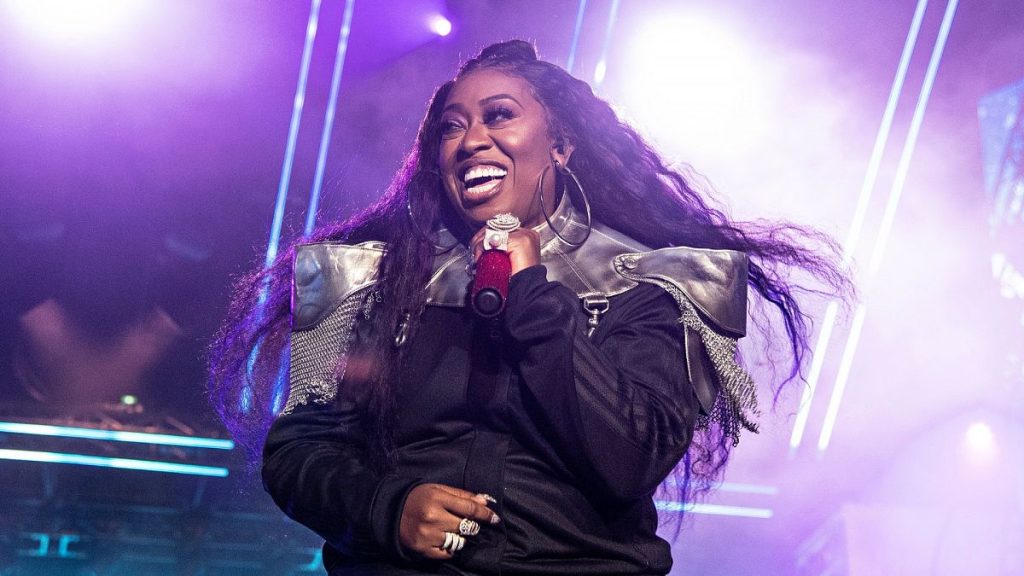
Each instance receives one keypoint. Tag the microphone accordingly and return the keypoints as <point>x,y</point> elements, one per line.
<point>493,268</point>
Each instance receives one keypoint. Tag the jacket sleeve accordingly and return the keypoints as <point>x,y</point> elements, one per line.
<point>316,468</point>
<point>620,402</point>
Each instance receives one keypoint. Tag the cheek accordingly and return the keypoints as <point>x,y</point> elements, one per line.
<point>444,156</point>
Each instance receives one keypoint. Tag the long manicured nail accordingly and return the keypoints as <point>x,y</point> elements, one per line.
<point>488,498</point>
<point>494,518</point>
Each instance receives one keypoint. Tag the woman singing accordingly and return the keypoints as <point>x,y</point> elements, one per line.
<point>437,424</point>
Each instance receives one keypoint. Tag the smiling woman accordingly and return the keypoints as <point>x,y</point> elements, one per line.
<point>497,149</point>
<point>419,438</point>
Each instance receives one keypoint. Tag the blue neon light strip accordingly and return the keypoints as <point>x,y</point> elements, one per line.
<point>737,487</point>
<point>601,70</point>
<point>857,224</point>
<point>119,463</point>
<point>115,435</point>
<point>748,488</point>
<point>293,133</point>
<point>714,509</point>
<point>571,61</point>
<point>325,136</point>
<point>895,193</point>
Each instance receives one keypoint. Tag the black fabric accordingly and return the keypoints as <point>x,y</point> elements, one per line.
<point>570,434</point>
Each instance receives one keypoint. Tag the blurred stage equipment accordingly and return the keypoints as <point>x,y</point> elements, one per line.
<point>1001,116</point>
<point>153,496</point>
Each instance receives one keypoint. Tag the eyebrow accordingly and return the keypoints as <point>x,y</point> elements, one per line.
<point>499,97</point>
<point>486,101</point>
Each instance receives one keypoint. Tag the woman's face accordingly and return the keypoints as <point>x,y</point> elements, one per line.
<point>495,146</point>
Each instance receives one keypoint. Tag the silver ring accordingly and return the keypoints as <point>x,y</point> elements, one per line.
<point>507,222</point>
<point>496,233</point>
<point>468,527</point>
<point>496,240</point>
<point>452,542</point>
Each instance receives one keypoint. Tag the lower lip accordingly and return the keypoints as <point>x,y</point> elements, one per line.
<point>483,191</point>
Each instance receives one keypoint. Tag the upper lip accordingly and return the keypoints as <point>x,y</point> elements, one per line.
<point>473,163</point>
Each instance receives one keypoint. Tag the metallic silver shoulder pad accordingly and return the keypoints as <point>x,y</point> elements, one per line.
<point>328,273</point>
<point>330,281</point>
<point>710,288</point>
<point>714,280</point>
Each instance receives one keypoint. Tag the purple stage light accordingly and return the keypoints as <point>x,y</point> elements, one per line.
<point>439,25</point>
<point>74,21</point>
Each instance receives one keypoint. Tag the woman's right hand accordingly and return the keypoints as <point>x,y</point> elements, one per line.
<point>433,509</point>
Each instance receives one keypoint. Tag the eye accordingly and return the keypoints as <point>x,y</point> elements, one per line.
<point>497,114</point>
<point>450,126</point>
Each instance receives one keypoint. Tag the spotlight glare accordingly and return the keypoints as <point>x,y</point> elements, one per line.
<point>439,25</point>
<point>691,76</point>
<point>979,444</point>
<point>980,437</point>
<point>73,21</point>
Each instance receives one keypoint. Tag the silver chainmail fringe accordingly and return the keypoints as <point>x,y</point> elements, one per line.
<point>318,356</point>
<point>735,409</point>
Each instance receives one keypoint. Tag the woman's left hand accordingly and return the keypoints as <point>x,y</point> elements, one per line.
<point>523,247</point>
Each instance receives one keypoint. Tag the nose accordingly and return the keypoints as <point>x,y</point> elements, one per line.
<point>475,139</point>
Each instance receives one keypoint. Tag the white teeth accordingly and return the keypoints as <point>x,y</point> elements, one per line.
<point>483,171</point>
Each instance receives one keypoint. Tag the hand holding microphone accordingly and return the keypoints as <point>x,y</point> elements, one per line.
<point>501,248</point>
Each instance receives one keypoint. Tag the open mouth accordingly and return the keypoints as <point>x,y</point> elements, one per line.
<point>482,180</point>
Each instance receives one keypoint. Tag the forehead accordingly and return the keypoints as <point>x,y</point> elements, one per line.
<point>473,88</point>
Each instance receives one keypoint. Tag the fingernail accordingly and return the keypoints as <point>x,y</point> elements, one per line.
<point>487,498</point>
<point>494,518</point>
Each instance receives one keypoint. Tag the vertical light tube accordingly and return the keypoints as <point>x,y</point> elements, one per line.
<point>895,193</point>
<point>571,61</point>
<point>857,224</point>
<point>332,104</point>
<point>908,147</point>
<point>817,362</point>
<point>602,65</point>
<point>293,133</point>
<point>881,139</point>
<point>245,399</point>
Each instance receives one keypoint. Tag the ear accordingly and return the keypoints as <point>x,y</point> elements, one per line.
<point>561,151</point>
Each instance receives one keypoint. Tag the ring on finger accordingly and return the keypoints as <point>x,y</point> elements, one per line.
<point>452,542</point>
<point>496,240</point>
<point>468,527</point>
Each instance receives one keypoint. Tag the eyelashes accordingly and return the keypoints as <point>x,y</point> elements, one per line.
<point>493,115</point>
<point>498,113</point>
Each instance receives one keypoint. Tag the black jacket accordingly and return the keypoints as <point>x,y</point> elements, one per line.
<point>570,432</point>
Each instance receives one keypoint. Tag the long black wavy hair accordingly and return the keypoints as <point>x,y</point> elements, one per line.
<point>616,168</point>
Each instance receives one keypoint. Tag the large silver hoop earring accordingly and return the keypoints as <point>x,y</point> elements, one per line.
<point>566,172</point>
